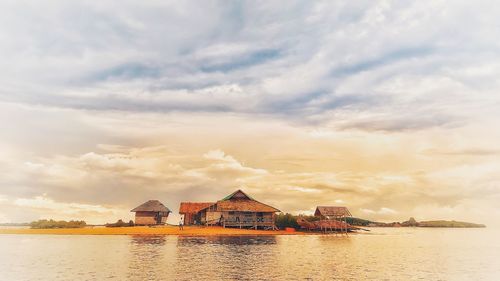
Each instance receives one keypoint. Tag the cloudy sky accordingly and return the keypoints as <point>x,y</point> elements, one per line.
<point>391,108</point>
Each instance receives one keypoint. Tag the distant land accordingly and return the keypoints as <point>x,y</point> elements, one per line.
<point>350,220</point>
<point>15,224</point>
<point>443,223</point>
<point>413,223</point>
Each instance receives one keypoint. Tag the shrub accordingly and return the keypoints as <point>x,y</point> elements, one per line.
<point>120,223</point>
<point>286,220</point>
<point>358,221</point>
<point>41,224</point>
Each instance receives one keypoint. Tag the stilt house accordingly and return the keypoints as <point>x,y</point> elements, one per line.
<point>235,210</point>
<point>333,218</point>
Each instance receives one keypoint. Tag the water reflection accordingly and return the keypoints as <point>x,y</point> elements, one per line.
<point>150,257</point>
<point>225,258</point>
<point>148,239</point>
<point>227,240</point>
<point>385,254</point>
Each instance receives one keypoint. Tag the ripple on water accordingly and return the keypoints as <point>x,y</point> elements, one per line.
<point>386,254</point>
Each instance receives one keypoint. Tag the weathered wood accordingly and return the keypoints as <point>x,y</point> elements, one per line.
<point>150,218</point>
<point>237,210</point>
<point>152,212</point>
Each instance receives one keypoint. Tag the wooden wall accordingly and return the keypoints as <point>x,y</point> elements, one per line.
<point>213,217</point>
<point>245,219</point>
<point>148,218</point>
<point>188,219</point>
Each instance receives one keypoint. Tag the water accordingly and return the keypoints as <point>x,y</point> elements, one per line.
<point>384,254</point>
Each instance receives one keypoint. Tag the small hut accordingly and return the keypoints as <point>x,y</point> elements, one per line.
<point>191,211</point>
<point>153,212</point>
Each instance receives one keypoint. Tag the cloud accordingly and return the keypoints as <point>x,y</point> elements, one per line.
<point>305,190</point>
<point>47,204</point>
<point>4,219</point>
<point>385,59</point>
<point>106,184</point>
<point>296,64</point>
<point>128,71</point>
<point>377,104</point>
<point>381,211</point>
<point>472,151</point>
<point>218,155</point>
<point>247,61</point>
<point>385,211</point>
<point>227,166</point>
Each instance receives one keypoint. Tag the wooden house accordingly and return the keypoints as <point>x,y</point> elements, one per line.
<point>333,218</point>
<point>237,210</point>
<point>153,212</point>
<point>191,211</point>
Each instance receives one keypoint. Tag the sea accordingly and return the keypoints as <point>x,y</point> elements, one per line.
<point>380,254</point>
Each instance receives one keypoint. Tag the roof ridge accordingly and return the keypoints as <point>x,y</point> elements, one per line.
<point>152,204</point>
<point>232,194</point>
<point>239,190</point>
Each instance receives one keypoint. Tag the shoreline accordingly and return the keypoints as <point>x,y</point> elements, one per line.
<point>171,230</point>
<point>145,230</point>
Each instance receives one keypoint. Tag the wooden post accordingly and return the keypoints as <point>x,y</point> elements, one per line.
<point>344,223</point>
<point>341,225</point>
<point>336,225</point>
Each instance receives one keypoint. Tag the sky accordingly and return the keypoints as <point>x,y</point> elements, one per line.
<point>390,108</point>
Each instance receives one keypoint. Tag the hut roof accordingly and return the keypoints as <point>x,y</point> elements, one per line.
<point>241,202</point>
<point>332,211</point>
<point>193,207</point>
<point>238,194</point>
<point>151,206</point>
<point>245,206</point>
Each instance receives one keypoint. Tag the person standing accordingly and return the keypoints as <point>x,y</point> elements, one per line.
<point>181,227</point>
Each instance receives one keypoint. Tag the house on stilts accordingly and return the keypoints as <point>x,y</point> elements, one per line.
<point>235,210</point>
<point>152,212</point>
<point>332,212</point>
<point>333,218</point>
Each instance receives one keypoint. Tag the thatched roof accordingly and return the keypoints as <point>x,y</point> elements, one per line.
<point>238,194</point>
<point>332,211</point>
<point>151,206</point>
<point>241,202</point>
<point>245,206</point>
<point>193,207</point>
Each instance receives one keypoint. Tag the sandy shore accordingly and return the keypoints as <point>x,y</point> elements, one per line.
<point>143,230</point>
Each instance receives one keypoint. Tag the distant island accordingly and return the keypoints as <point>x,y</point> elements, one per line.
<point>14,224</point>
<point>413,223</point>
<point>289,220</point>
<point>443,223</point>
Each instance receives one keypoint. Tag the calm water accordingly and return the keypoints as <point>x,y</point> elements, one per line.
<point>384,254</point>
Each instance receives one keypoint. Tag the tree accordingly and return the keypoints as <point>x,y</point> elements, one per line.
<point>286,220</point>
